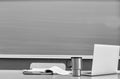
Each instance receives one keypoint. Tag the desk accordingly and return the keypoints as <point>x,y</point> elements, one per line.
<point>17,74</point>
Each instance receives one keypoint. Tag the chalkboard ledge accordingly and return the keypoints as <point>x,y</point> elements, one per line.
<point>44,56</point>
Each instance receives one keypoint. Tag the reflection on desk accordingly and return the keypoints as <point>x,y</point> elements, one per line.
<point>18,74</point>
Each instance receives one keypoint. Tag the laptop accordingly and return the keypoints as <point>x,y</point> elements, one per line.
<point>105,60</point>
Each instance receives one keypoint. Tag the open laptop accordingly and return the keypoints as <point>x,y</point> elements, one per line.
<point>105,60</point>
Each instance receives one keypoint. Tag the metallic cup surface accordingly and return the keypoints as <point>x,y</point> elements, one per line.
<point>76,66</point>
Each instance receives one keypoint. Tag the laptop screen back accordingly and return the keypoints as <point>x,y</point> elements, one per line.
<point>105,59</point>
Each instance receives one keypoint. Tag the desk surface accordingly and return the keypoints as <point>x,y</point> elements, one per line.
<point>17,74</point>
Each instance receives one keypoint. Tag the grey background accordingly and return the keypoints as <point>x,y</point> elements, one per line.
<point>57,27</point>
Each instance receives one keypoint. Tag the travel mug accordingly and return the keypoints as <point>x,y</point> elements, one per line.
<point>76,66</point>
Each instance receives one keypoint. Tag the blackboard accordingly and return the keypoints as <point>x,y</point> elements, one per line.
<point>58,27</point>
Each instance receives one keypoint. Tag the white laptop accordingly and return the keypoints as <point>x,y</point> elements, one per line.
<point>105,60</point>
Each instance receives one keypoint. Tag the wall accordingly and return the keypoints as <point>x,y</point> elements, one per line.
<point>20,64</point>
<point>57,27</point>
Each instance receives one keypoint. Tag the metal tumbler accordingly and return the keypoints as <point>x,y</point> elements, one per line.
<point>76,66</point>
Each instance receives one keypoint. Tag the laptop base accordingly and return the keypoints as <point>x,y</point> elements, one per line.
<point>92,75</point>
